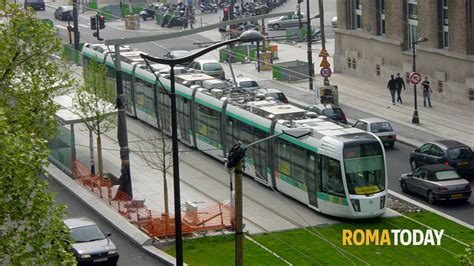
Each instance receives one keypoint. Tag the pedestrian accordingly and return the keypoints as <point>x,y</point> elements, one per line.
<point>426,92</point>
<point>400,84</point>
<point>392,87</point>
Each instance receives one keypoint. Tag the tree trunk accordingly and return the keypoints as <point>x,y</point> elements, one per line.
<point>99,155</point>
<point>165,187</point>
<point>91,144</point>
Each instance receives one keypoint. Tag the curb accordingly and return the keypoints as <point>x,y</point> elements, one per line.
<point>116,220</point>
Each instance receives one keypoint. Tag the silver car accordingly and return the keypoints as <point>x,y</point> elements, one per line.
<point>436,182</point>
<point>284,22</point>
<point>90,244</point>
<point>380,127</point>
<point>208,67</point>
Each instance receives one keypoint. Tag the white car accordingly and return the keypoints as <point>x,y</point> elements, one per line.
<point>380,127</point>
<point>247,83</point>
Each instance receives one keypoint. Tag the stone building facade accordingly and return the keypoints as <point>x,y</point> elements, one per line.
<point>375,38</point>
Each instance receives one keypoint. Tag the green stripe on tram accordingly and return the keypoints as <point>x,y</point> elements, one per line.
<point>292,181</point>
<point>249,122</point>
<point>298,142</point>
<point>331,198</point>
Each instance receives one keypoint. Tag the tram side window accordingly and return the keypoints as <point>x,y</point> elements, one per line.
<point>298,160</point>
<point>313,169</point>
<point>284,157</point>
<point>208,123</point>
<point>127,86</point>
<point>332,178</point>
<point>184,117</point>
<point>163,106</point>
<point>231,129</point>
<point>140,91</point>
<point>246,135</point>
<point>149,98</point>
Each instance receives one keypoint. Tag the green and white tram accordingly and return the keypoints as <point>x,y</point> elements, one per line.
<point>337,170</point>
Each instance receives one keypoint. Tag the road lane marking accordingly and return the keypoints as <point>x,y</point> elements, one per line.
<point>60,27</point>
<point>84,26</point>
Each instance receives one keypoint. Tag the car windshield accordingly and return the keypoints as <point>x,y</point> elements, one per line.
<point>212,66</point>
<point>331,112</point>
<point>460,153</point>
<point>365,168</point>
<point>35,1</point>
<point>247,84</point>
<point>444,176</point>
<point>87,233</point>
<point>381,127</point>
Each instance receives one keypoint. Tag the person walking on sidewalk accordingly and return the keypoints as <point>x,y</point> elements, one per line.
<point>392,87</point>
<point>426,92</point>
<point>400,84</point>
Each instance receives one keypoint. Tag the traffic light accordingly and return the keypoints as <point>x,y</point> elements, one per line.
<point>93,23</point>
<point>101,22</point>
<point>226,14</point>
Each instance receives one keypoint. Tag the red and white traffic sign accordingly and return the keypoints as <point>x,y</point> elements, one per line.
<point>415,78</point>
<point>325,72</point>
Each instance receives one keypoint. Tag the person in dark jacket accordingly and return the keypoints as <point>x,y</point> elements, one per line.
<point>400,84</point>
<point>426,92</point>
<point>392,87</point>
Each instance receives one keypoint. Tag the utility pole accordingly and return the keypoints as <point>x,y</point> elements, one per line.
<point>300,24</point>
<point>76,25</point>
<point>309,40</point>
<point>239,248</point>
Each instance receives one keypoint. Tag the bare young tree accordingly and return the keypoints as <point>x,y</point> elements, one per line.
<point>93,103</point>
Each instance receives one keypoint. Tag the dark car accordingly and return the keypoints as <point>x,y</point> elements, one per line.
<point>436,182</point>
<point>331,111</point>
<point>35,4</point>
<point>90,244</point>
<point>63,13</point>
<point>449,152</point>
<point>274,94</point>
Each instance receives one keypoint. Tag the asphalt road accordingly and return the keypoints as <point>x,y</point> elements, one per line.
<point>130,254</point>
<point>397,158</point>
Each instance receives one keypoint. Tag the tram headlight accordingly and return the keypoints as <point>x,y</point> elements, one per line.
<point>382,202</point>
<point>355,205</point>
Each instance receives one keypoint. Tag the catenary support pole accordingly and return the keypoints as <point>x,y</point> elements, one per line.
<point>415,119</point>
<point>239,249</point>
<point>122,134</point>
<point>76,26</point>
<point>309,40</point>
<point>177,199</point>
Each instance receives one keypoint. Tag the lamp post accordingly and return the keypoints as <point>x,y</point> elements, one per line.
<point>415,119</point>
<point>235,160</point>
<point>247,36</point>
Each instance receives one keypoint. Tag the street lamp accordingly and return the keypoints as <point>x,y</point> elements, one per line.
<point>235,160</point>
<point>246,36</point>
<point>415,119</point>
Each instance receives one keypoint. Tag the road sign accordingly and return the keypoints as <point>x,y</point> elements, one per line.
<point>415,78</point>
<point>323,53</point>
<point>324,63</point>
<point>325,72</point>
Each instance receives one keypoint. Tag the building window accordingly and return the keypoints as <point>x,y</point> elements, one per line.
<point>358,14</point>
<point>407,77</point>
<point>412,10</point>
<point>353,63</point>
<point>444,18</point>
<point>377,70</point>
<point>440,86</point>
<point>381,12</point>
<point>349,62</point>
<point>471,94</point>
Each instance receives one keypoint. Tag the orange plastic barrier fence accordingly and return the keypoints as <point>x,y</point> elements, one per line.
<point>153,223</point>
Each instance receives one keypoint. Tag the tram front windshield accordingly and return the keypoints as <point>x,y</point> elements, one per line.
<point>365,168</point>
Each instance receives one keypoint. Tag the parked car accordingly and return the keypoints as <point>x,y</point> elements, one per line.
<point>90,244</point>
<point>63,13</point>
<point>274,93</point>
<point>449,152</point>
<point>35,4</point>
<point>334,22</point>
<point>247,83</point>
<point>175,54</point>
<point>332,111</point>
<point>380,127</point>
<point>436,182</point>
<point>209,67</point>
<point>284,22</point>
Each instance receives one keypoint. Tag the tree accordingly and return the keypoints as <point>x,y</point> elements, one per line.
<point>31,228</point>
<point>93,104</point>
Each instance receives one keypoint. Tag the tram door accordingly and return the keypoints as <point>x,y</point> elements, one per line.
<point>313,177</point>
<point>260,155</point>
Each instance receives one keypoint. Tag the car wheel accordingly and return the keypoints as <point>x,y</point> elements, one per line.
<point>430,197</point>
<point>404,187</point>
<point>413,165</point>
<point>276,27</point>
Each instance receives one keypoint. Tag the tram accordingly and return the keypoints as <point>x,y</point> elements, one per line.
<point>337,170</point>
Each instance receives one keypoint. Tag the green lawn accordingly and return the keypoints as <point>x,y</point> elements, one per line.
<point>305,246</point>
